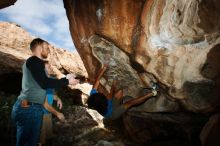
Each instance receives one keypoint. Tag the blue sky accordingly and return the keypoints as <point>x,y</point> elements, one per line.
<point>42,18</point>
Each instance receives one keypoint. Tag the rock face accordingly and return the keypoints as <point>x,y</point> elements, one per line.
<point>175,43</point>
<point>14,50</point>
<point>84,127</point>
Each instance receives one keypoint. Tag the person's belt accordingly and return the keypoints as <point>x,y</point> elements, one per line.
<point>26,103</point>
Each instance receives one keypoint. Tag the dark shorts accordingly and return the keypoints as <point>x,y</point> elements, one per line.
<point>118,109</point>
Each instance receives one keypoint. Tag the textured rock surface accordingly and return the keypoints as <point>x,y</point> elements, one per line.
<point>172,42</point>
<point>14,50</point>
<point>84,127</point>
<point>180,127</point>
<point>175,43</point>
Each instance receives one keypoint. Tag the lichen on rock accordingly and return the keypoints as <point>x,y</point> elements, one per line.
<point>118,66</point>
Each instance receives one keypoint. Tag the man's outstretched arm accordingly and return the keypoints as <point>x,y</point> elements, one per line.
<point>37,69</point>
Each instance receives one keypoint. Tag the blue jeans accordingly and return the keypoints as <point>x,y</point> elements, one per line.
<point>28,123</point>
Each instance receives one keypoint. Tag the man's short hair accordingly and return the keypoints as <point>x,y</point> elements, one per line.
<point>35,42</point>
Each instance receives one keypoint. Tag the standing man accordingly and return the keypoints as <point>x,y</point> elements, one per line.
<point>27,112</point>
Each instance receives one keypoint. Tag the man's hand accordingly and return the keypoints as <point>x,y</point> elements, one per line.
<point>68,76</point>
<point>73,81</point>
<point>60,116</point>
<point>59,103</point>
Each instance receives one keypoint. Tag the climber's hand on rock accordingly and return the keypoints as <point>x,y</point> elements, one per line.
<point>105,65</point>
<point>154,92</point>
<point>104,68</point>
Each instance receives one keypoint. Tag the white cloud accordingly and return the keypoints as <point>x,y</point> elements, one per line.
<point>44,18</point>
<point>61,25</point>
<point>69,43</point>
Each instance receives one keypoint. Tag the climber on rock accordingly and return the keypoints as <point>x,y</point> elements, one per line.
<point>110,106</point>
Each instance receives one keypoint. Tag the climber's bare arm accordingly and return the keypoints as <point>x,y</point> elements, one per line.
<point>112,90</point>
<point>97,81</point>
<point>137,101</point>
<point>119,94</point>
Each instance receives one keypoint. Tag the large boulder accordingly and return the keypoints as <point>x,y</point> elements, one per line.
<point>14,50</point>
<point>172,42</point>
